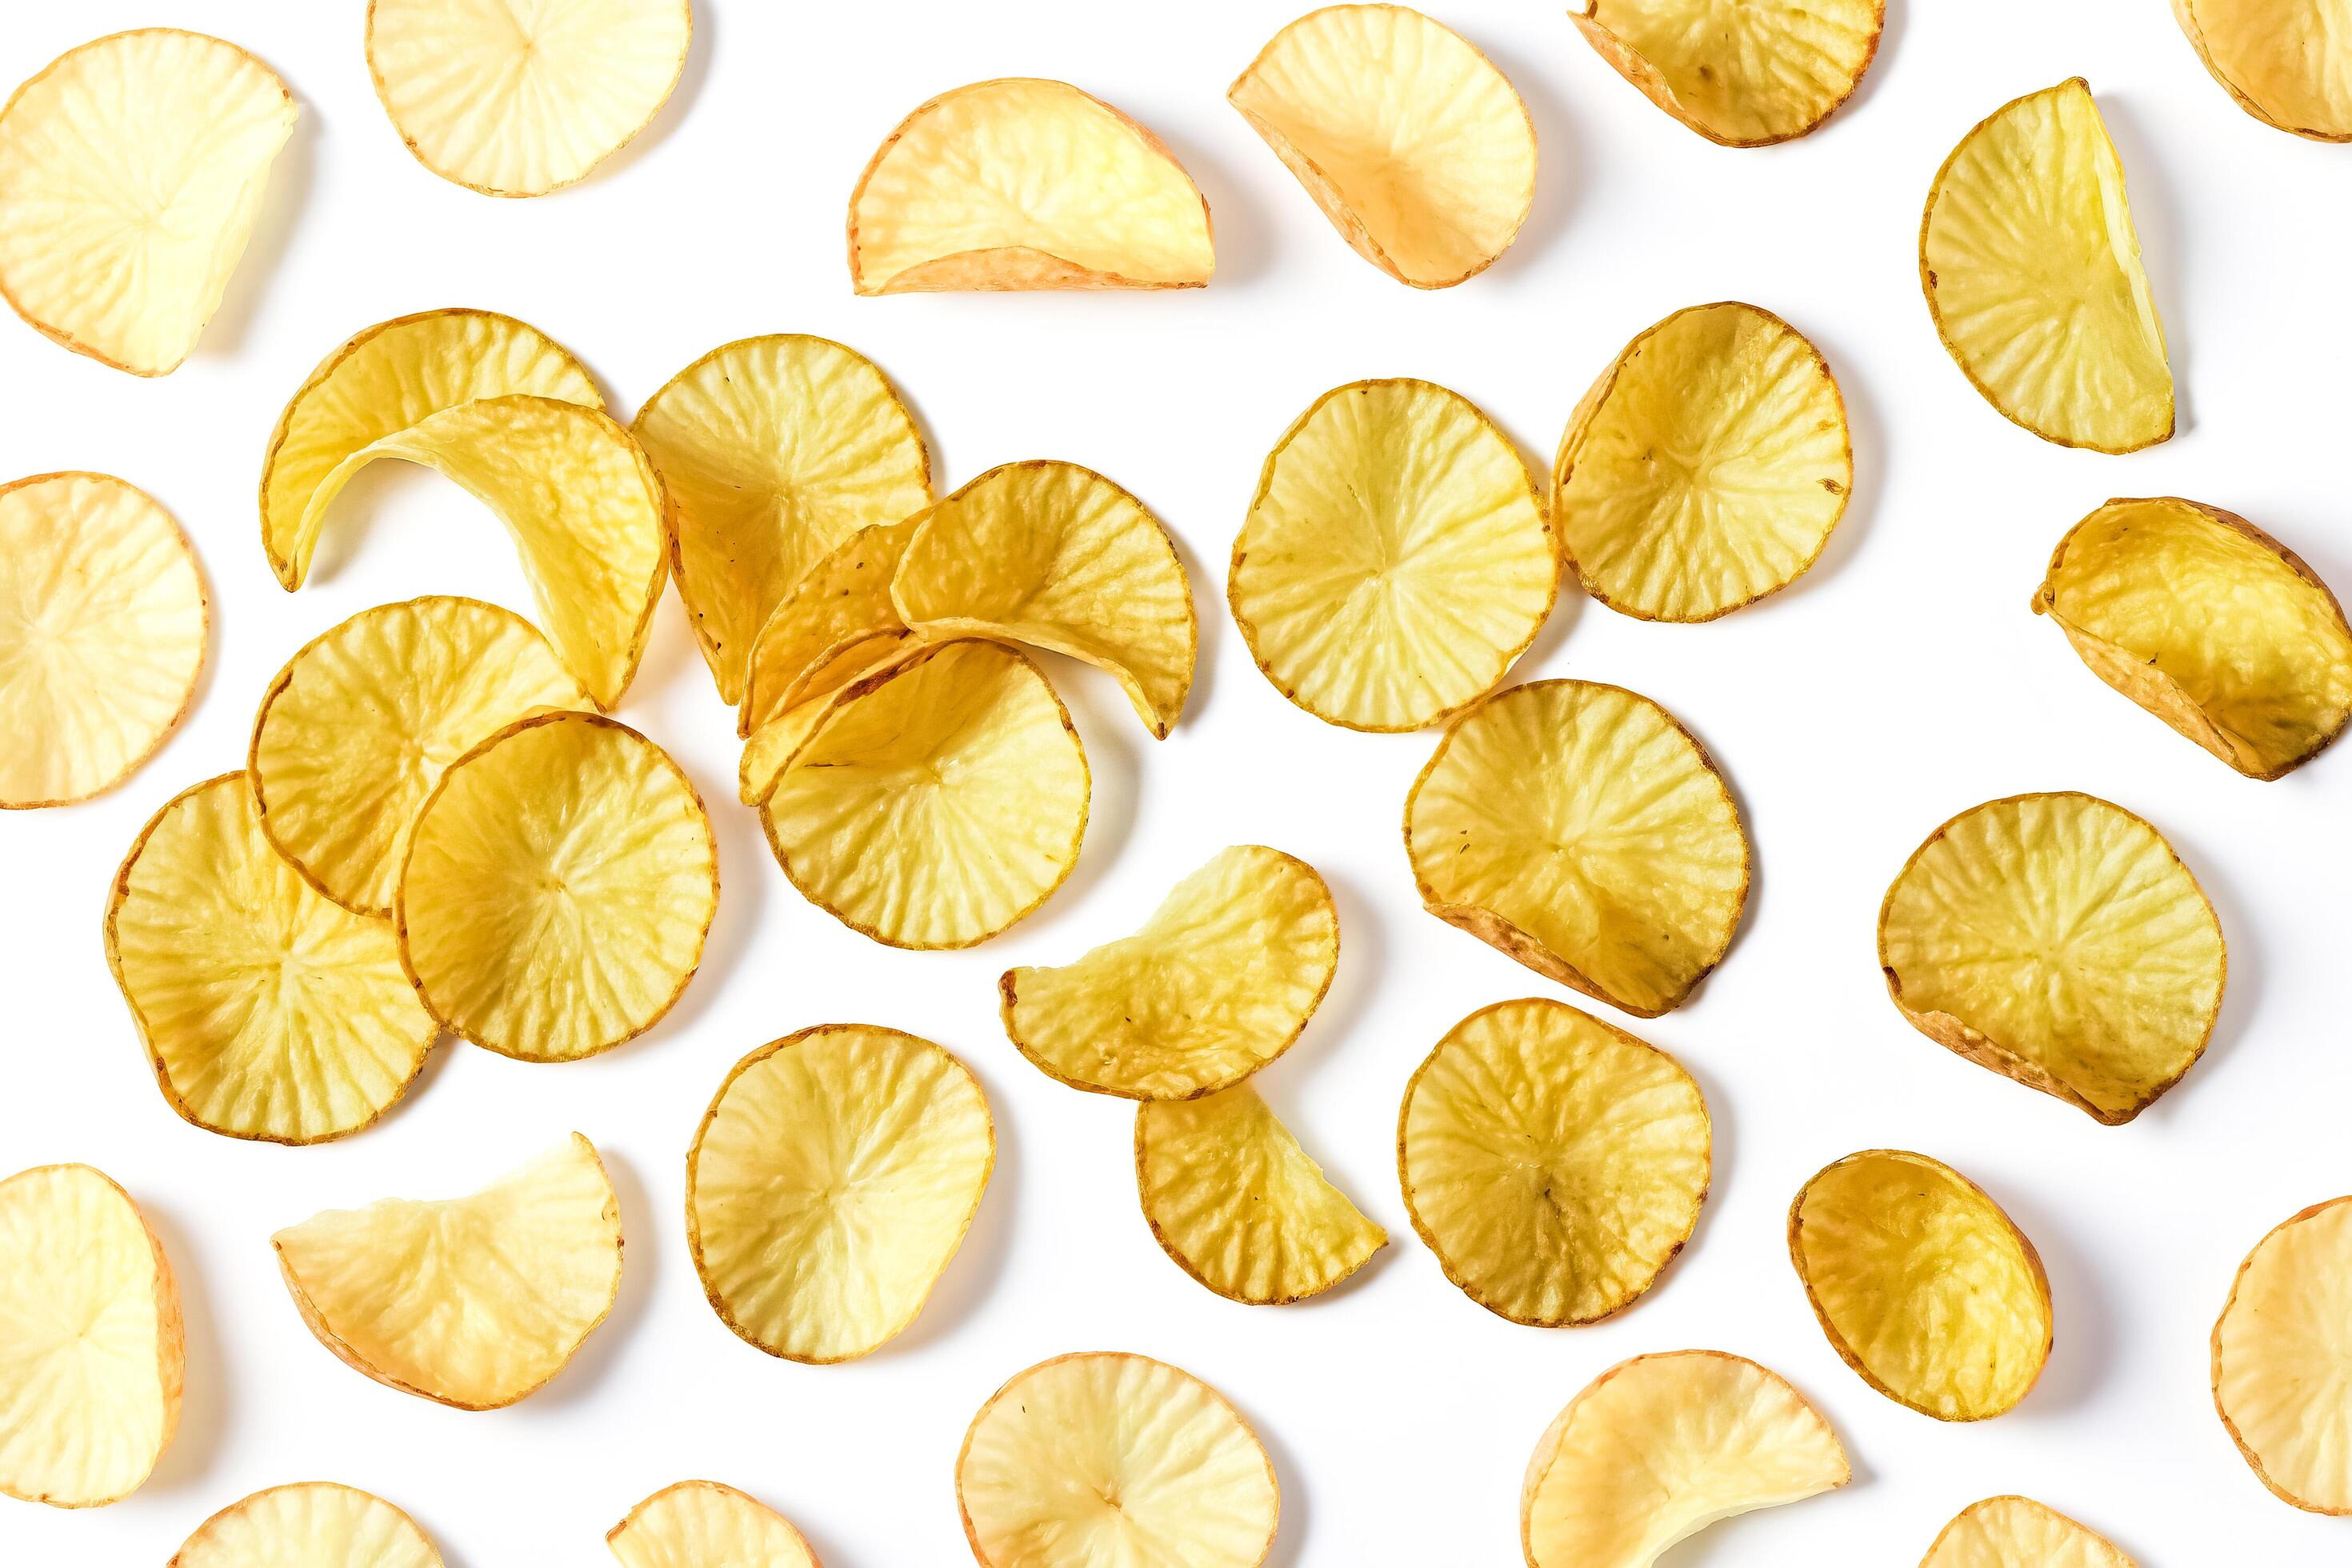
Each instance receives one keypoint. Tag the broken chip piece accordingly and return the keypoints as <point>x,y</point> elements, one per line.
<point>2279,1350</point>
<point>1743,73</point>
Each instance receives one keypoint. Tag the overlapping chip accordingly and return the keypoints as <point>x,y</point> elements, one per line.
<point>2281,1349</point>
<point>1744,73</point>
<point>836,622</point>
<point>308,1524</point>
<point>2019,1533</point>
<point>704,1524</point>
<point>2282,60</point>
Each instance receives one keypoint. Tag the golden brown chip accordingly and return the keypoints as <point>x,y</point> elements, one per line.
<point>2282,1353</point>
<point>309,1524</point>
<point>1744,73</point>
<point>2019,1533</point>
<point>829,628</point>
<point>2284,61</point>
<point>704,1524</point>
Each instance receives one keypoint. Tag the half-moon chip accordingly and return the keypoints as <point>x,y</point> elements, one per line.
<point>1743,73</point>
<point>307,1525</point>
<point>829,628</point>
<point>706,1524</point>
<point>2019,1533</point>
<point>2282,1349</point>
<point>2282,60</point>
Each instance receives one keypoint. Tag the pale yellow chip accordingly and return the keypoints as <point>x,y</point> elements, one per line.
<point>1106,1458</point>
<point>706,1524</point>
<point>2057,939</point>
<point>830,1183</point>
<point>517,97</point>
<point>91,1355</point>
<point>103,623</point>
<point>776,452</point>
<point>2019,1533</point>
<point>1022,184</point>
<point>1658,1447</point>
<point>1058,557</point>
<point>2208,623</point>
<point>829,628</point>
<point>1922,1283</point>
<point>2033,276</point>
<point>2283,1357</point>
<point>2287,62</point>
<point>1743,73</point>
<point>776,740</point>
<point>1396,560</point>
<point>1217,984</point>
<point>309,1524</point>
<point>1416,148</point>
<point>267,1011</point>
<point>1705,467</point>
<point>1581,829</point>
<point>131,169</point>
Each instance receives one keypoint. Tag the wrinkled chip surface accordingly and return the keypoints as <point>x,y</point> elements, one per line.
<point>1396,559</point>
<point>2057,939</point>
<point>778,740</point>
<point>2283,1357</point>
<point>2019,1533</point>
<point>1744,73</point>
<point>704,1524</point>
<point>310,1524</point>
<point>2285,61</point>
<point>829,628</point>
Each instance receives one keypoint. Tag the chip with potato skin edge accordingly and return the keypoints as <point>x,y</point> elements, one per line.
<point>2220,1407</point>
<point>414,1548</point>
<point>2334,123</point>
<point>781,1545</point>
<point>1651,81</point>
<point>2096,1551</point>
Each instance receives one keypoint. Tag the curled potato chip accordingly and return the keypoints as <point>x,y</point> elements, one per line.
<point>703,1524</point>
<point>1022,184</point>
<point>2208,623</point>
<point>131,169</point>
<point>2019,1533</point>
<point>103,622</point>
<point>2282,60</point>
<point>1580,828</point>
<point>1739,72</point>
<point>91,1361</point>
<point>2280,1349</point>
<point>2057,939</point>
<point>1416,148</point>
<point>778,740</point>
<point>1104,1457</point>
<point>1922,1283</point>
<point>2033,276</point>
<point>830,627</point>
<point>308,1525</point>
<point>1218,982</point>
<point>1658,1447</point>
<point>1396,559</point>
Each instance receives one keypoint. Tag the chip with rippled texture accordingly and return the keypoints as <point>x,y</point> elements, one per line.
<point>2282,1351</point>
<point>2019,1533</point>
<point>1744,73</point>
<point>308,1524</point>
<point>706,1524</point>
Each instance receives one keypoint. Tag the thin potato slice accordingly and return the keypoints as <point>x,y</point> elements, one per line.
<point>824,633</point>
<point>1416,148</point>
<point>309,1524</point>
<point>2019,1533</point>
<point>704,1524</point>
<point>2283,1357</point>
<point>1743,73</point>
<point>2285,61</point>
<point>1396,560</point>
<point>2057,939</point>
<point>1022,184</point>
<point>830,1183</point>
<point>1106,1458</point>
<point>778,740</point>
<point>2033,276</point>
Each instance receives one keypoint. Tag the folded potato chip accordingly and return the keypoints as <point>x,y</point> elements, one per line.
<point>830,627</point>
<point>308,1524</point>
<point>1023,184</point>
<point>1416,148</point>
<point>131,169</point>
<point>2282,60</point>
<point>2057,939</point>
<point>2019,1533</point>
<point>778,740</point>
<point>1396,559</point>
<point>2279,1350</point>
<point>2034,276</point>
<point>703,1524</point>
<point>2210,624</point>
<point>1743,73</point>
<point>103,623</point>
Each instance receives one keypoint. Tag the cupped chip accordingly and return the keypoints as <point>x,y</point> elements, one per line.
<point>778,740</point>
<point>830,1183</point>
<point>103,622</point>
<point>706,1524</point>
<point>2057,939</point>
<point>2019,1533</point>
<point>2283,1357</point>
<point>1218,982</point>
<point>826,632</point>
<point>1705,467</point>
<point>2033,276</point>
<point>474,1301</point>
<point>1022,184</point>
<point>1743,73</point>
<point>90,1346</point>
<point>1396,559</point>
<point>308,1524</point>
<point>1924,1286</point>
<point>1580,828</point>
<point>2208,623</point>
<point>268,1011</point>
<point>2287,62</point>
<point>1416,148</point>
<point>1103,1457</point>
<point>131,169</point>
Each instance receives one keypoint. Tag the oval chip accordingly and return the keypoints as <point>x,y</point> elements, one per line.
<point>308,1524</point>
<point>705,1524</point>
<point>2019,1533</point>
<point>1743,73</point>
<point>2281,1351</point>
<point>2282,60</point>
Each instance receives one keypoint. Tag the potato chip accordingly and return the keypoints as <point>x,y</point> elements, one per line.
<point>2210,624</point>
<point>1416,148</point>
<point>2280,1348</point>
<point>1218,982</point>
<point>560,881</point>
<point>938,801</point>
<point>775,451</point>
<point>91,1357</point>
<point>1743,73</point>
<point>1922,1284</point>
<point>517,97</point>
<point>779,740</point>
<point>2019,1533</point>
<point>1102,1458</point>
<point>309,1524</point>
<point>267,1011</point>
<point>2282,60</point>
<point>1553,1163</point>
<point>2057,939</point>
<point>1658,1447</point>
<point>2033,276</point>
<point>1581,829</point>
<point>131,169</point>
<point>102,629</point>
<point>825,632</point>
<point>703,1524</point>
<point>1022,183</point>
<point>472,1301</point>
<point>830,1183</point>
<point>1396,560</point>
<point>1705,467</point>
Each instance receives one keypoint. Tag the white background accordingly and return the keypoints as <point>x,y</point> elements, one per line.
<point>1903,681</point>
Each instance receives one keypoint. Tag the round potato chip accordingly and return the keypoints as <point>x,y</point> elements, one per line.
<point>2282,1349</point>
<point>1416,148</point>
<point>703,1524</point>
<point>102,628</point>
<point>131,169</point>
<point>1102,1457</point>
<point>308,1524</point>
<point>1581,829</point>
<point>1705,467</point>
<point>2057,939</point>
<point>1396,559</point>
<point>2282,60</point>
<point>2019,1533</point>
<point>826,632</point>
<point>1742,73</point>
